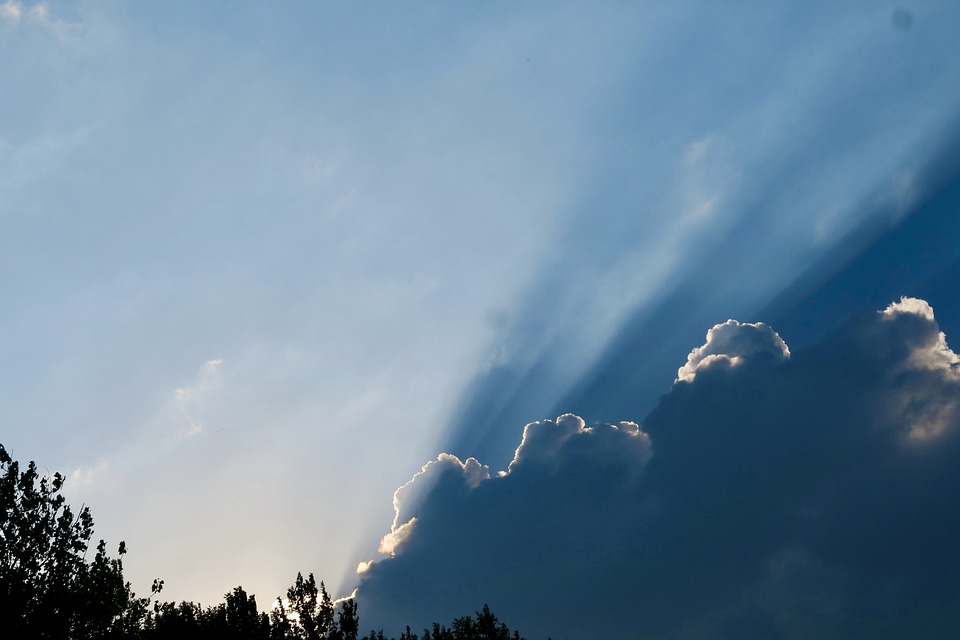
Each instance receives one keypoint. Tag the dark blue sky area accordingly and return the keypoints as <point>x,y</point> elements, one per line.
<point>918,257</point>
<point>886,257</point>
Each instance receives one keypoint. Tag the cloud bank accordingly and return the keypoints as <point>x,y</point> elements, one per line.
<point>769,494</point>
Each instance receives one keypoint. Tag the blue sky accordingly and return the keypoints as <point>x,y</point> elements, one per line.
<point>261,262</point>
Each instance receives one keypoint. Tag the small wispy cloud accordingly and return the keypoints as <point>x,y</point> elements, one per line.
<point>189,395</point>
<point>11,11</point>
<point>86,475</point>
<point>38,14</point>
<point>699,150</point>
<point>903,191</point>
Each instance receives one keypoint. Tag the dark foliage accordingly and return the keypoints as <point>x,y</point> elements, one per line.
<point>484,627</point>
<point>47,587</point>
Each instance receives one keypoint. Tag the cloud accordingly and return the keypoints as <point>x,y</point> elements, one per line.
<point>730,344</point>
<point>396,537</point>
<point>188,397</point>
<point>466,510</point>
<point>913,306</point>
<point>409,497</point>
<point>179,418</point>
<point>11,10</point>
<point>85,475</point>
<point>930,350</point>
<point>783,495</point>
<point>38,13</point>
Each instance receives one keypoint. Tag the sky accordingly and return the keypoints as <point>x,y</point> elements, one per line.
<point>264,264</point>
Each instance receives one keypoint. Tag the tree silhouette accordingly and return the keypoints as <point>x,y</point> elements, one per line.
<point>348,622</point>
<point>47,588</point>
<point>186,621</point>
<point>484,627</point>
<point>306,614</point>
<point>241,619</point>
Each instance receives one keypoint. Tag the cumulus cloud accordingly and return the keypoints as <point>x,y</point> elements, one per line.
<point>930,350</point>
<point>767,495</point>
<point>913,306</point>
<point>451,509</point>
<point>407,499</point>
<point>729,344</point>
<point>396,537</point>
<point>542,440</point>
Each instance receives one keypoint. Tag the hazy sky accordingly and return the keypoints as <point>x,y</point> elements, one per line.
<point>262,261</point>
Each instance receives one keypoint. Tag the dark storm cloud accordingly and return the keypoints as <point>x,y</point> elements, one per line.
<point>769,494</point>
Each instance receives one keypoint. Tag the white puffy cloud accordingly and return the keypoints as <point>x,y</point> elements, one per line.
<point>930,350</point>
<point>729,344</point>
<point>542,440</point>
<point>396,537</point>
<point>364,566</point>
<point>927,370</point>
<point>555,443</point>
<point>913,306</point>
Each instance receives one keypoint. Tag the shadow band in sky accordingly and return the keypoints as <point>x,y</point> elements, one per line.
<point>871,265</point>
